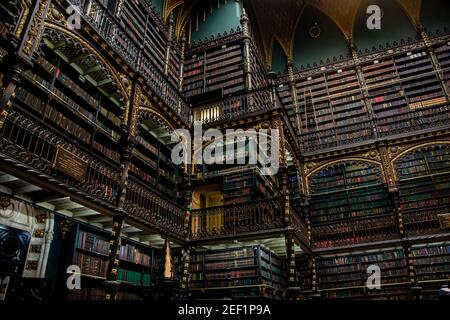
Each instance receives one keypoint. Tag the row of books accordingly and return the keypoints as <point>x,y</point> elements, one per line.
<point>234,267</point>
<point>130,253</point>
<point>70,84</point>
<point>30,100</point>
<point>135,277</point>
<point>147,145</point>
<point>87,294</point>
<point>69,125</point>
<point>145,159</point>
<point>431,251</point>
<point>67,81</point>
<point>92,242</point>
<point>235,274</point>
<point>108,152</point>
<point>232,254</point>
<point>90,265</point>
<point>73,105</point>
<point>221,68</point>
<point>142,174</point>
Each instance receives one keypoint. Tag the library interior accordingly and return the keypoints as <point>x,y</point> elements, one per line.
<point>93,205</point>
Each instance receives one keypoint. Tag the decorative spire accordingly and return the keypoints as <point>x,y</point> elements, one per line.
<point>244,23</point>
<point>167,261</point>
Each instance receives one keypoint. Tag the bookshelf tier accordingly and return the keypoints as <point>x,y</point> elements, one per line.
<point>424,188</point>
<point>399,92</point>
<point>350,204</point>
<point>244,267</point>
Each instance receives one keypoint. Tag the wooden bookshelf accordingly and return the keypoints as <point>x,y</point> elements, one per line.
<point>424,188</point>
<point>345,276</point>
<point>431,261</point>
<point>215,72</point>
<point>404,94</point>
<point>247,187</point>
<point>238,272</point>
<point>218,68</point>
<point>139,265</point>
<point>57,93</point>
<point>136,19</point>
<point>443,55</point>
<point>304,273</point>
<point>343,198</point>
<point>151,164</point>
<point>295,193</point>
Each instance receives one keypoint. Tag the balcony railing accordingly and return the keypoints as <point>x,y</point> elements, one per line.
<point>238,106</point>
<point>237,220</point>
<point>422,119</point>
<point>107,26</point>
<point>145,205</point>
<point>28,141</point>
<point>367,229</point>
<point>338,136</point>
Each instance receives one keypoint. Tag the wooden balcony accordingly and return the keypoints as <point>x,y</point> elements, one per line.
<point>30,146</point>
<point>237,106</point>
<point>108,27</point>
<point>257,218</point>
<point>404,124</point>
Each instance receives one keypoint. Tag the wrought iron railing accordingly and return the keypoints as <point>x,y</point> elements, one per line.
<point>415,120</point>
<point>237,106</point>
<point>337,136</point>
<point>26,140</point>
<point>347,233</point>
<point>146,205</point>
<point>422,119</point>
<point>237,219</point>
<point>107,26</point>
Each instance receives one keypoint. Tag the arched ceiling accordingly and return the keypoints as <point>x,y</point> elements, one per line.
<point>278,19</point>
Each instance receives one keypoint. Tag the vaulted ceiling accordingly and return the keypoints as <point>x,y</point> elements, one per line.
<point>278,19</point>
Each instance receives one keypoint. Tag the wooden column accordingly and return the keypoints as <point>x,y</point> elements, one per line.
<point>306,208</point>
<point>169,46</point>
<point>290,255</point>
<point>278,124</point>
<point>11,81</point>
<point>314,283</point>
<point>415,286</point>
<point>185,262</point>
<point>111,284</point>
<point>434,60</point>
<point>187,186</point>
<point>127,143</point>
<point>389,174</point>
<point>246,39</point>
<point>182,59</point>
